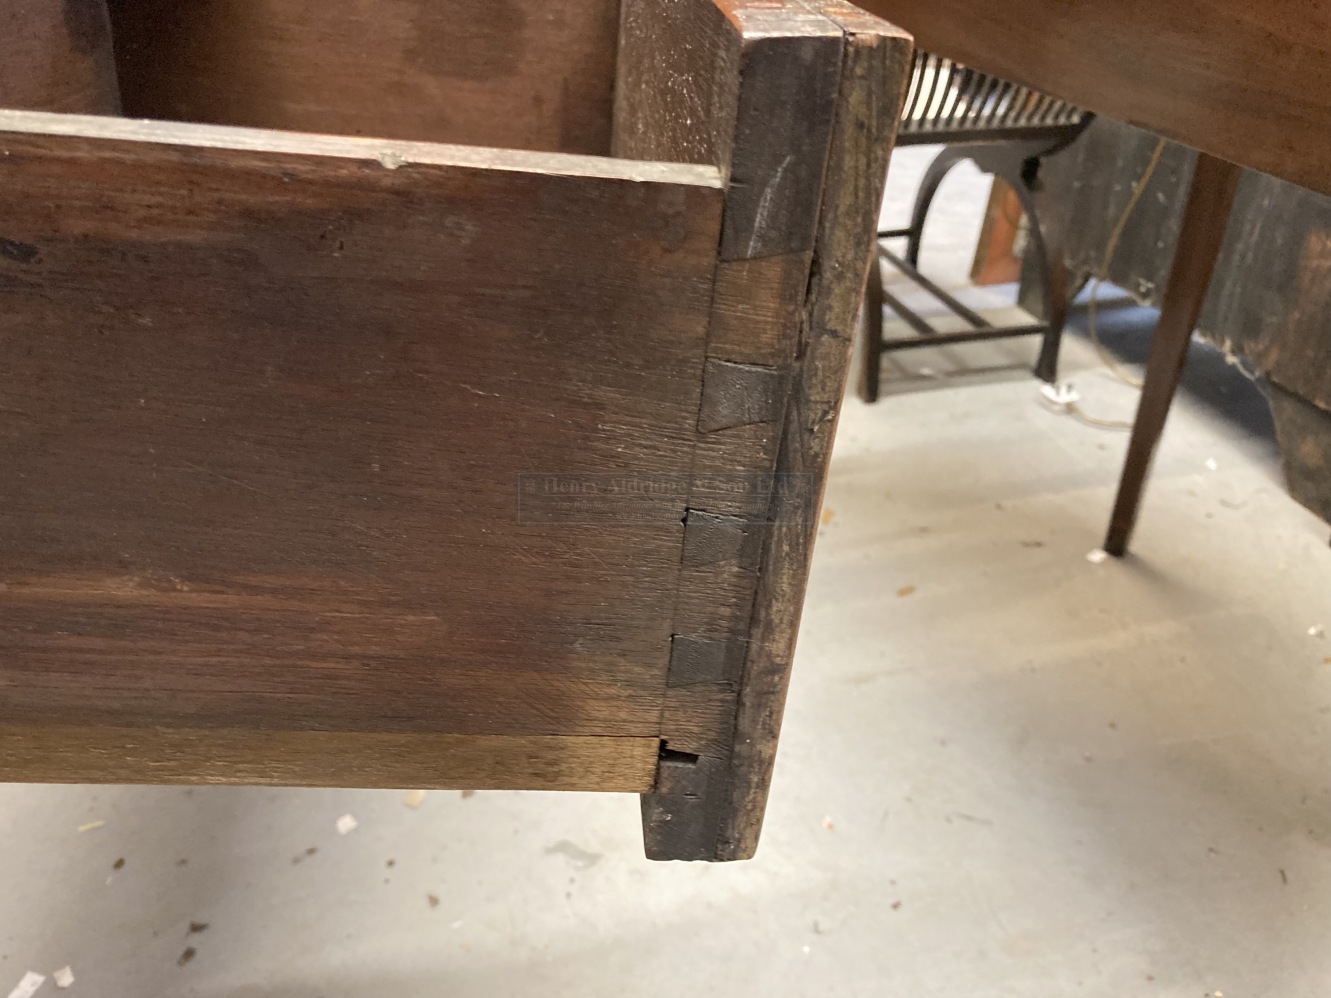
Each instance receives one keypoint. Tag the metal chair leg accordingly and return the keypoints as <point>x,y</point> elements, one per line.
<point>1046,365</point>
<point>1050,266</point>
<point>933,178</point>
<point>1203,232</point>
<point>1018,164</point>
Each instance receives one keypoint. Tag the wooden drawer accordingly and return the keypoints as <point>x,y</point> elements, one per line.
<point>338,460</point>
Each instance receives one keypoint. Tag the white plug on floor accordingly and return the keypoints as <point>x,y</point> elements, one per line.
<point>1061,395</point>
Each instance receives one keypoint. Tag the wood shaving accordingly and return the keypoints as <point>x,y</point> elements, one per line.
<point>92,825</point>
<point>346,824</point>
<point>415,798</point>
<point>63,977</point>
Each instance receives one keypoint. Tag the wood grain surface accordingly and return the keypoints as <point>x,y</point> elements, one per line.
<point>264,417</point>
<point>522,74</point>
<point>677,82</point>
<point>873,83</point>
<point>57,56</point>
<point>57,753</point>
<point>1246,81</point>
<point>1205,219</point>
<point>1302,364</point>
<point>766,91</point>
<point>748,86</point>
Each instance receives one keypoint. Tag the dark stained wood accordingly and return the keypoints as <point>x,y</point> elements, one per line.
<point>297,428</point>
<point>266,404</point>
<point>1267,300</point>
<point>524,74</point>
<point>1304,433</point>
<point>1090,185</point>
<point>55,55</point>
<point>1298,362</point>
<point>1247,82</point>
<point>873,84</point>
<point>1303,364</point>
<point>720,739</point>
<point>1204,221</point>
<point>749,86</point>
<point>58,753</point>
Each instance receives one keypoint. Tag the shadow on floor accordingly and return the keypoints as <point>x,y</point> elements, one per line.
<point>1125,329</point>
<point>1229,389</point>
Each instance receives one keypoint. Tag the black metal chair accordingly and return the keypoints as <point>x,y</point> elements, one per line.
<point>1005,129</point>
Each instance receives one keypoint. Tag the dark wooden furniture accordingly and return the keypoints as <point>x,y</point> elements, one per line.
<point>1247,84</point>
<point>1268,302</point>
<point>1006,130</point>
<point>359,459</point>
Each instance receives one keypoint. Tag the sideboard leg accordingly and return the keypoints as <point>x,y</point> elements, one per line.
<point>1204,220</point>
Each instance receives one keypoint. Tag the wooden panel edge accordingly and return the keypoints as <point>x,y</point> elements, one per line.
<point>41,753</point>
<point>875,74</point>
<point>789,66</point>
<point>389,153</point>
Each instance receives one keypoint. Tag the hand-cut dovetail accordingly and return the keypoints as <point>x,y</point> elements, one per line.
<point>711,539</point>
<point>695,660</point>
<point>740,395</point>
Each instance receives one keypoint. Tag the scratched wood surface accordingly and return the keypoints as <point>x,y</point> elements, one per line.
<point>57,57</point>
<point>522,74</point>
<point>1246,81</point>
<point>264,415</point>
<point>310,435</point>
<point>748,86</point>
<point>872,86</point>
<point>796,102</point>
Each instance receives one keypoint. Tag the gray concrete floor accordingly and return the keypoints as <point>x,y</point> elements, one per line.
<point>1006,770</point>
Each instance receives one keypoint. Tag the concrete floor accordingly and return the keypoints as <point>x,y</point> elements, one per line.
<point>1006,770</point>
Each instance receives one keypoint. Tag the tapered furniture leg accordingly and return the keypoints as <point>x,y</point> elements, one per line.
<point>873,330</point>
<point>1200,239</point>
